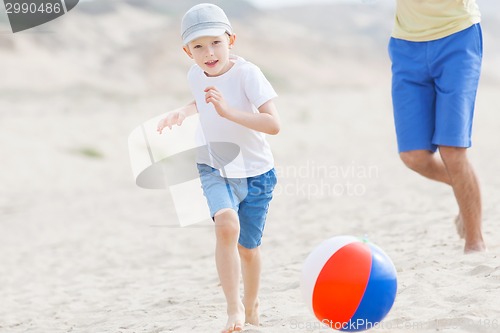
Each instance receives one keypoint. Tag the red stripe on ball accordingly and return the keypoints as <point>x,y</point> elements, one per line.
<point>341,283</point>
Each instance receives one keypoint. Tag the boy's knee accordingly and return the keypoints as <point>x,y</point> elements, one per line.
<point>227,224</point>
<point>248,254</point>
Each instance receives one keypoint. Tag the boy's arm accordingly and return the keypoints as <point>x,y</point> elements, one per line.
<point>266,121</point>
<point>189,109</point>
<point>176,117</point>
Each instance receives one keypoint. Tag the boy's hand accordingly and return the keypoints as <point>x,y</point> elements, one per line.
<point>172,118</point>
<point>214,96</point>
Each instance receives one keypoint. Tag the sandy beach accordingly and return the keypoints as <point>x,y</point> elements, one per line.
<point>83,249</point>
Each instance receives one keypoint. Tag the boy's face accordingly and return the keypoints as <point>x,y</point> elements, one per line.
<point>211,53</point>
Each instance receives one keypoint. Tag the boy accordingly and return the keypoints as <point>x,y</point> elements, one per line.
<point>235,105</point>
<point>436,53</point>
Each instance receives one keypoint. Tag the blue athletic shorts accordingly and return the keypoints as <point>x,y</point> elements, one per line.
<point>249,197</point>
<point>434,88</point>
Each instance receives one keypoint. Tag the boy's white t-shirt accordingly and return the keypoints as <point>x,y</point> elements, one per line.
<point>245,88</point>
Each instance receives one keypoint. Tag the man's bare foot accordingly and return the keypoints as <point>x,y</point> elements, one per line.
<point>252,313</point>
<point>475,247</point>
<point>459,224</point>
<point>235,320</point>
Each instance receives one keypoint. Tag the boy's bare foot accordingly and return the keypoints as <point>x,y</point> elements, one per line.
<point>459,224</point>
<point>235,320</point>
<point>252,313</point>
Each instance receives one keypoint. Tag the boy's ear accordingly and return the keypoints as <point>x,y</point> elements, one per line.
<point>188,52</point>
<point>232,40</point>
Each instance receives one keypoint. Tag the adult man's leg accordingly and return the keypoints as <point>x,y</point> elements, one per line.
<point>468,194</point>
<point>427,164</point>
<point>454,169</point>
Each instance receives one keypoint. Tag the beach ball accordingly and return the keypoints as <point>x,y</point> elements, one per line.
<point>349,283</point>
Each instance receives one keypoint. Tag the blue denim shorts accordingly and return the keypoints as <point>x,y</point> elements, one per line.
<point>249,197</point>
<point>434,88</point>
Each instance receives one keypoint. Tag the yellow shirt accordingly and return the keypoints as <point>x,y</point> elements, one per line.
<point>426,20</point>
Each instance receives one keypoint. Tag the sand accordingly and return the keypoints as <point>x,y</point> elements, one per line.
<point>83,249</point>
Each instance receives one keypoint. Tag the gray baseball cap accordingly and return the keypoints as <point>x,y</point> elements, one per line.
<point>203,20</point>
